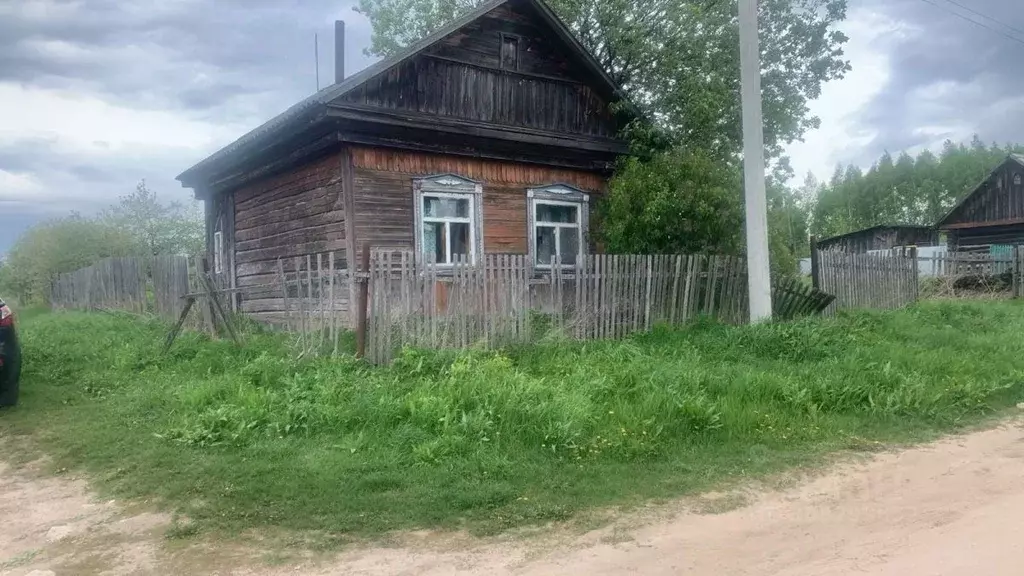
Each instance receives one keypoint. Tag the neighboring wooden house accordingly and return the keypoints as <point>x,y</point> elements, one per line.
<point>881,238</point>
<point>991,217</point>
<point>493,134</point>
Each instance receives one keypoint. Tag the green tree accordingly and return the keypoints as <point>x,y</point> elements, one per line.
<point>909,190</point>
<point>157,228</point>
<point>652,206</point>
<point>56,246</point>
<point>137,225</point>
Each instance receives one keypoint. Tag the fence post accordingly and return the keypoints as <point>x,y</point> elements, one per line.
<point>915,273</point>
<point>815,264</point>
<point>1015,272</point>
<point>364,285</point>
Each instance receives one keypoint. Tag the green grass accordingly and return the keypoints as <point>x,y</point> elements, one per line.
<point>234,438</point>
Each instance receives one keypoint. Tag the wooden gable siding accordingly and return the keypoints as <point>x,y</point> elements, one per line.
<point>998,201</point>
<point>479,42</point>
<point>384,194</point>
<point>291,214</point>
<point>461,77</point>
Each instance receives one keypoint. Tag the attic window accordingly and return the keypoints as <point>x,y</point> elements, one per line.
<point>509,52</point>
<point>1016,179</point>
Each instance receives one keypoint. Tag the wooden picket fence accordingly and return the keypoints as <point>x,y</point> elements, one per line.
<point>960,264</point>
<point>505,299</point>
<point>882,281</point>
<point>111,283</point>
<point>139,285</point>
<point>315,296</point>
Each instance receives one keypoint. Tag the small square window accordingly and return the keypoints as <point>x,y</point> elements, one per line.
<point>557,232</point>
<point>558,220</point>
<point>509,52</point>
<point>448,219</point>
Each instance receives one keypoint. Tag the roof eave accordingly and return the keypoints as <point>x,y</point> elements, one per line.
<point>942,223</point>
<point>306,112</point>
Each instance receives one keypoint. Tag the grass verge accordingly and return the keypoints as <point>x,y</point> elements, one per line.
<point>235,438</point>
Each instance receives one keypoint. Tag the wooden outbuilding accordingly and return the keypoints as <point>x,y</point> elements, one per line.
<point>495,134</point>
<point>991,217</point>
<point>883,237</point>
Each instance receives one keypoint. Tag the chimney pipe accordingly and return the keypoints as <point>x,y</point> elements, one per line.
<point>339,51</point>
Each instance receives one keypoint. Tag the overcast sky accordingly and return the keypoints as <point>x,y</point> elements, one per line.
<point>96,95</point>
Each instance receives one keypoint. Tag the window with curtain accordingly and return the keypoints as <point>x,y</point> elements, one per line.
<point>448,218</point>
<point>558,220</point>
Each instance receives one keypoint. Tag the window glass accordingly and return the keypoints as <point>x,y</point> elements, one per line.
<point>449,227</point>
<point>460,239</point>
<point>434,241</point>
<point>557,213</point>
<point>436,207</point>
<point>545,244</point>
<point>568,245</point>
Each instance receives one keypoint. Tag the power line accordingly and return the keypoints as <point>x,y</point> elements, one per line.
<point>986,17</point>
<point>975,22</point>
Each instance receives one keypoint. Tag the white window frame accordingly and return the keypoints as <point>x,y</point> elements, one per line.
<point>456,188</point>
<point>218,252</point>
<point>558,195</point>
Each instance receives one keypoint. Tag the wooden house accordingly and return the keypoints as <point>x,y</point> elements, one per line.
<point>991,217</point>
<point>495,134</point>
<point>884,237</point>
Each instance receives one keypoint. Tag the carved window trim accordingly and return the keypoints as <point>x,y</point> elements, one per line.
<point>557,195</point>
<point>450,186</point>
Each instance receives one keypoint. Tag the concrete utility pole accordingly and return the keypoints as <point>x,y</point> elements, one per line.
<point>758,275</point>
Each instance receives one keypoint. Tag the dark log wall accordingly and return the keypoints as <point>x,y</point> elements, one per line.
<point>384,195</point>
<point>998,201</point>
<point>462,77</point>
<point>220,218</point>
<point>291,214</point>
<point>981,239</point>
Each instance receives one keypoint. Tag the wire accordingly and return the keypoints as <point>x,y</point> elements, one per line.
<point>985,16</point>
<point>975,22</point>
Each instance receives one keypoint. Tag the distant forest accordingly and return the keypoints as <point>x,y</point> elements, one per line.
<point>905,190</point>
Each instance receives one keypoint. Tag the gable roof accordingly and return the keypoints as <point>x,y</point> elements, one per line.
<point>1018,158</point>
<point>312,107</point>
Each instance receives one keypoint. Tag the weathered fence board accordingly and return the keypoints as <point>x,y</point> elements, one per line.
<point>111,283</point>
<point>310,299</point>
<point>505,299</point>
<point>884,281</point>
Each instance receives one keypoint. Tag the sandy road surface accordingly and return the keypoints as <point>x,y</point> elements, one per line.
<point>954,508</point>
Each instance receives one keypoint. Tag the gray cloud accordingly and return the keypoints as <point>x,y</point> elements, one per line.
<point>948,77</point>
<point>220,62</point>
<point>239,62</point>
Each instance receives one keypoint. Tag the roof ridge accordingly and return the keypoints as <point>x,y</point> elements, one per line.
<point>329,93</point>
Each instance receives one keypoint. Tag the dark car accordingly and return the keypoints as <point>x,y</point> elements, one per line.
<point>10,357</point>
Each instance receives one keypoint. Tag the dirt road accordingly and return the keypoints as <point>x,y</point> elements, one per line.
<point>954,508</point>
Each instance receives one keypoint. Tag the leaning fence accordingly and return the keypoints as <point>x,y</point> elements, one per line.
<point>506,299</point>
